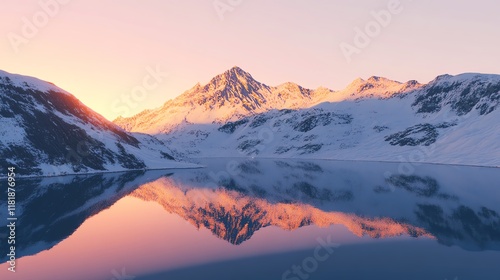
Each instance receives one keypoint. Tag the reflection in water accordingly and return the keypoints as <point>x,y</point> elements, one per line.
<point>51,209</point>
<point>235,215</point>
<point>453,205</point>
<point>295,194</point>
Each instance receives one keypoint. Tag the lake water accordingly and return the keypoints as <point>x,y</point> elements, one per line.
<point>260,219</point>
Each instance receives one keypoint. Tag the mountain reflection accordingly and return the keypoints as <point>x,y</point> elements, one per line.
<point>235,217</point>
<point>293,194</point>
<point>234,199</point>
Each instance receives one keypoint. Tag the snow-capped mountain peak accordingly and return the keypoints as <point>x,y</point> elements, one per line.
<point>234,86</point>
<point>373,87</point>
<point>449,120</point>
<point>228,96</point>
<point>236,73</point>
<point>374,118</point>
<point>234,79</point>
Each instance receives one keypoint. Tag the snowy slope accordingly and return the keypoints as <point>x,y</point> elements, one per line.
<point>452,119</point>
<point>44,130</point>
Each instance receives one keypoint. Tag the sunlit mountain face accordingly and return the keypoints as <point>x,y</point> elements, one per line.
<point>227,97</point>
<point>448,120</point>
<point>255,209</point>
<point>235,94</point>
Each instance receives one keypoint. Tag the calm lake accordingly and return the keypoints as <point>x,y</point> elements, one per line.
<point>260,219</point>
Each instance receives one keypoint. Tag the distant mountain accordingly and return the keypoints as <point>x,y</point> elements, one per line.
<point>45,130</point>
<point>374,87</point>
<point>452,119</point>
<point>227,97</point>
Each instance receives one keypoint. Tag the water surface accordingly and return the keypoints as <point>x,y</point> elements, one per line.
<point>261,219</point>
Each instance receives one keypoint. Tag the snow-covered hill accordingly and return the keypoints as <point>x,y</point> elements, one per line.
<point>45,130</point>
<point>452,119</point>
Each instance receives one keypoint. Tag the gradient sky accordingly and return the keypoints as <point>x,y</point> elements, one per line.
<point>99,50</point>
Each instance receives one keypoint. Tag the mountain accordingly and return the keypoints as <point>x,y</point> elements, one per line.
<point>227,97</point>
<point>235,94</point>
<point>47,131</point>
<point>452,119</point>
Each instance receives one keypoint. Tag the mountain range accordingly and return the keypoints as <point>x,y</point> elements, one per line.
<point>235,94</point>
<point>450,120</point>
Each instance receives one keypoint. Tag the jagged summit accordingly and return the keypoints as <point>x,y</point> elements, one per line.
<point>234,83</point>
<point>381,80</point>
<point>233,75</point>
<point>236,71</point>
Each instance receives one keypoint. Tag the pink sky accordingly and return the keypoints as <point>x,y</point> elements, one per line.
<point>100,50</point>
